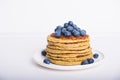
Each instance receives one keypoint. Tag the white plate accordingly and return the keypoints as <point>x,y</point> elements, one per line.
<point>39,60</point>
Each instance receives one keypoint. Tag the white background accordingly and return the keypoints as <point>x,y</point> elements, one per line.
<point>25,24</point>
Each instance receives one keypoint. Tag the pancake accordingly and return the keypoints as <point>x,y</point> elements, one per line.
<point>67,51</point>
<point>68,48</point>
<point>64,39</point>
<point>68,54</point>
<point>78,58</point>
<point>65,63</point>
<point>72,45</point>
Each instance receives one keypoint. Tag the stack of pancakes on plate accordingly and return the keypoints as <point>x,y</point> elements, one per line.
<point>68,50</point>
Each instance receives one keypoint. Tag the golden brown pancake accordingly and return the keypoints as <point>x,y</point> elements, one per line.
<point>73,59</point>
<point>68,48</point>
<point>67,51</point>
<point>65,55</point>
<point>70,39</point>
<point>72,45</point>
<point>65,63</point>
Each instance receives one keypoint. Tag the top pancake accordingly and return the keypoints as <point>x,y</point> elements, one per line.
<point>71,39</point>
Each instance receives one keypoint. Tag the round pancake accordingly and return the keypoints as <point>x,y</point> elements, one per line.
<point>69,54</point>
<point>64,39</point>
<point>49,50</point>
<point>70,58</point>
<point>65,63</point>
<point>72,45</point>
<point>68,48</point>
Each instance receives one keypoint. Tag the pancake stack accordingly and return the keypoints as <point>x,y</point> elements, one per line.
<point>68,51</point>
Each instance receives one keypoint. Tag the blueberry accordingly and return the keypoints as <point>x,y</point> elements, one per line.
<point>69,28</point>
<point>57,33</point>
<point>70,23</point>
<point>74,26</point>
<point>76,33</point>
<point>66,25</point>
<point>43,53</point>
<point>73,31</point>
<point>83,32</point>
<point>67,33</point>
<point>58,28</point>
<point>78,29</point>
<point>84,62</point>
<point>90,60</point>
<point>47,61</point>
<point>63,30</point>
<point>95,55</point>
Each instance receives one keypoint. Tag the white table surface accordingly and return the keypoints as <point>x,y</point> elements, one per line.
<point>17,50</point>
<point>25,24</point>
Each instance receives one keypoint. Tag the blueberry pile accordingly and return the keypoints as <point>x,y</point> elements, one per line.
<point>90,60</point>
<point>69,29</point>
